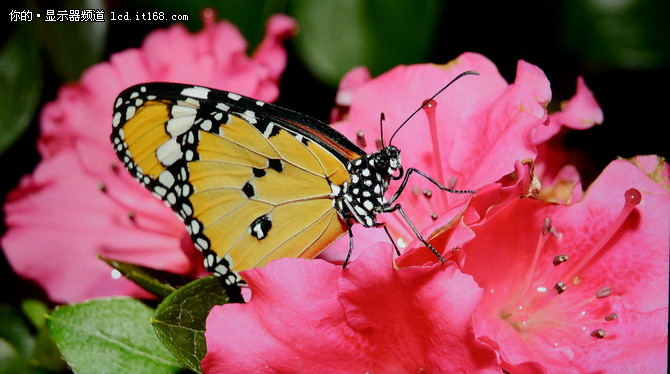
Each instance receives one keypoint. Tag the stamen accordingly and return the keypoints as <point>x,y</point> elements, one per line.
<point>611,317</point>
<point>599,333</point>
<point>101,187</point>
<point>132,215</point>
<point>115,167</point>
<point>430,107</point>
<point>603,292</point>
<point>425,203</point>
<point>546,226</point>
<point>541,241</point>
<point>208,16</point>
<point>632,198</point>
<point>360,139</point>
<point>560,287</point>
<point>560,259</point>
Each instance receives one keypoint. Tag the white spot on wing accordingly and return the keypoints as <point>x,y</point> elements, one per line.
<point>117,119</point>
<point>166,179</point>
<point>223,107</point>
<point>196,91</point>
<point>130,112</point>
<point>169,152</point>
<point>179,125</point>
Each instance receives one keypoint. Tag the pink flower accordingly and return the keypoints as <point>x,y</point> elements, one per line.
<point>601,308</point>
<point>79,202</point>
<point>314,317</point>
<point>479,129</point>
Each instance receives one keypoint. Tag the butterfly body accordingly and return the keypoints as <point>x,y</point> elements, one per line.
<point>251,181</point>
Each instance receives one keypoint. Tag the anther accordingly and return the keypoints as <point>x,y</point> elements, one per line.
<point>603,292</point>
<point>132,215</point>
<point>114,166</point>
<point>560,287</point>
<point>598,333</point>
<point>611,317</point>
<point>546,226</point>
<point>101,187</point>
<point>427,193</point>
<point>360,139</point>
<point>433,216</point>
<point>559,259</point>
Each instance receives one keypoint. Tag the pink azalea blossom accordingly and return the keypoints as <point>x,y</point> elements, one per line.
<point>606,252</point>
<point>79,202</point>
<point>311,316</point>
<point>479,128</point>
<point>583,287</point>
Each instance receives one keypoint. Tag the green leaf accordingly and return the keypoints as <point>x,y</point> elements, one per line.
<point>158,282</point>
<point>45,354</point>
<point>22,351</point>
<point>11,361</point>
<point>20,83</point>
<point>179,320</point>
<point>74,46</point>
<point>110,336</point>
<point>35,311</point>
<point>336,36</point>
<point>14,330</point>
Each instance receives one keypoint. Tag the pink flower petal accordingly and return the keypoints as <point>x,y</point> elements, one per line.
<point>581,112</point>
<point>80,203</point>
<point>523,317</point>
<point>311,316</point>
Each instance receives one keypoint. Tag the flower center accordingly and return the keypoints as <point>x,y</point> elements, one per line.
<point>552,301</point>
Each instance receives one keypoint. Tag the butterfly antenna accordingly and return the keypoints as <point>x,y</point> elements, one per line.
<point>459,76</point>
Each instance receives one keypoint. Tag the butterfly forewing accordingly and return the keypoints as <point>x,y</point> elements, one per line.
<point>251,181</point>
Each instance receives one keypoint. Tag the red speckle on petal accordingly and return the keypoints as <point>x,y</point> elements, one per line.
<point>633,196</point>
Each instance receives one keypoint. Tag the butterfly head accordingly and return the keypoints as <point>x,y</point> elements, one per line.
<point>387,162</point>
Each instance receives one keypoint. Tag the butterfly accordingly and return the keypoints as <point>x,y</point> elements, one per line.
<point>253,181</point>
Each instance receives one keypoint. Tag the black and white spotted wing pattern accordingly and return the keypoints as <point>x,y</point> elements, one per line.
<point>251,181</point>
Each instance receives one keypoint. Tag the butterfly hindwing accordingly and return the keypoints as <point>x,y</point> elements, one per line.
<point>251,181</point>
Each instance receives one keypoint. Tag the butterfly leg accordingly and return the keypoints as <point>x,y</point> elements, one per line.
<point>397,250</point>
<point>430,179</point>
<point>398,207</point>
<point>351,245</point>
